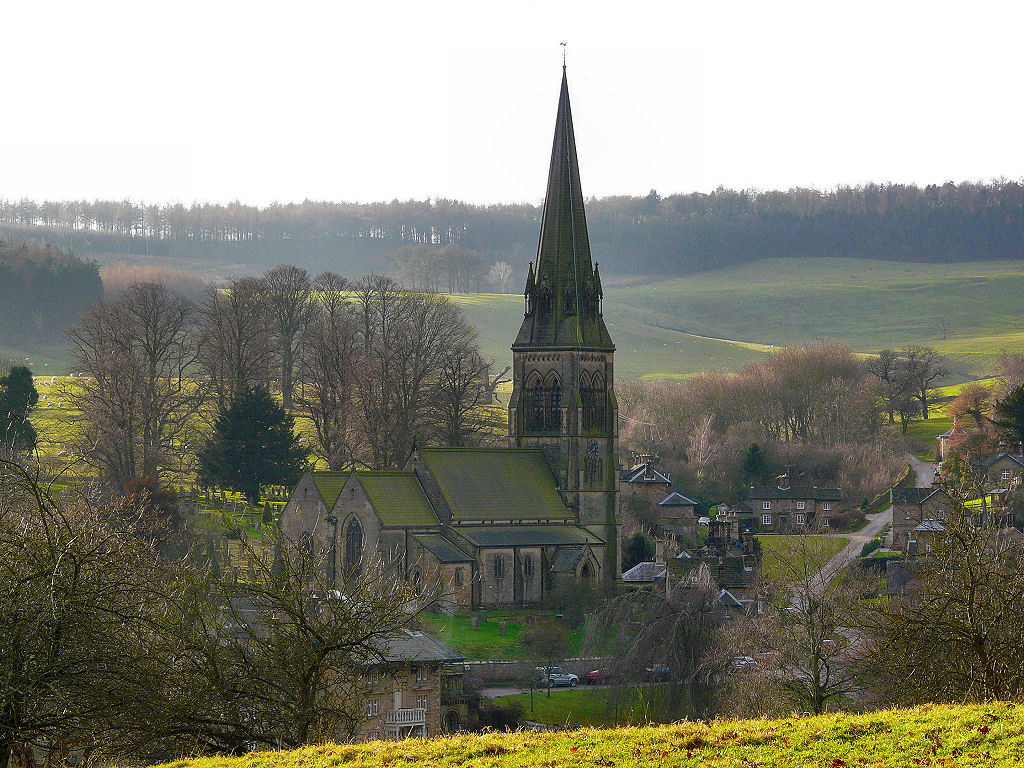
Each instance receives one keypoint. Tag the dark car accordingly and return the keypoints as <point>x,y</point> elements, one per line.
<point>598,676</point>
<point>657,673</point>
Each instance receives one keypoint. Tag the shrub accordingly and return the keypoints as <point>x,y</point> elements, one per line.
<point>506,716</point>
<point>870,547</point>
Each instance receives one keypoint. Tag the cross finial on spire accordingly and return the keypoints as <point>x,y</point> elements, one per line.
<point>564,43</point>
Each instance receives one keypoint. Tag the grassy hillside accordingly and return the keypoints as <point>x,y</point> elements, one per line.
<point>723,318</point>
<point>927,736</point>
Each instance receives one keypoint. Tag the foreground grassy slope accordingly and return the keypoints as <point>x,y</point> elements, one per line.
<point>927,736</point>
<point>723,318</point>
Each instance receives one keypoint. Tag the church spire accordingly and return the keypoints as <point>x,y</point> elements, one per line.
<point>564,282</point>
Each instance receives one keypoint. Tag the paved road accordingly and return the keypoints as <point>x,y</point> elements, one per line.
<point>924,470</point>
<point>849,553</point>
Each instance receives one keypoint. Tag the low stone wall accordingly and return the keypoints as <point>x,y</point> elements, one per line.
<point>516,671</point>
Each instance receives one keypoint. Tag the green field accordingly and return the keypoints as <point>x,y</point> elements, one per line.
<point>779,550</point>
<point>957,737</point>
<point>724,318</point>
<point>487,640</point>
<point>592,707</point>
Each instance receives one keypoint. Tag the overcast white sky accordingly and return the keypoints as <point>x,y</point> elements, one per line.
<point>262,102</point>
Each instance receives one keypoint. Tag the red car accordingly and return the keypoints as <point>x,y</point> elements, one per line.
<point>598,676</point>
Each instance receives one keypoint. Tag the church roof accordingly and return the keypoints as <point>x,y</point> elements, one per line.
<point>496,483</point>
<point>329,485</point>
<point>398,499</point>
<point>526,535</point>
<point>564,270</point>
<point>442,549</point>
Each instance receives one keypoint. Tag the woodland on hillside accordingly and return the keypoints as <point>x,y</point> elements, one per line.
<point>42,290</point>
<point>632,235</point>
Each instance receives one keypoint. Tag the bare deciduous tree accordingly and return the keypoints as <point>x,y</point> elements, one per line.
<point>234,350</point>
<point>136,393</point>
<point>500,276</point>
<point>326,395</point>
<point>954,633</point>
<point>287,292</point>
<point>802,630</point>
<point>925,366</point>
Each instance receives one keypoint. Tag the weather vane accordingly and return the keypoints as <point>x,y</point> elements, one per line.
<point>563,44</point>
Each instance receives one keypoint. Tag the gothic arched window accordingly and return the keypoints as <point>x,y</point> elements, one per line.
<point>353,545</point>
<point>534,406</point>
<point>553,420</point>
<point>593,396</point>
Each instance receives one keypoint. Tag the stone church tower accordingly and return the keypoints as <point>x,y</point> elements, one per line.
<point>562,396</point>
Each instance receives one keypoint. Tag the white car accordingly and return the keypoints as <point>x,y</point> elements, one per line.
<point>558,677</point>
<point>743,662</point>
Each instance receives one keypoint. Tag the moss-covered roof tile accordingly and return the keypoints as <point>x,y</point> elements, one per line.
<point>329,485</point>
<point>398,499</point>
<point>496,483</point>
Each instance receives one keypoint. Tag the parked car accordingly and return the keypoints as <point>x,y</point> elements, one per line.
<point>598,676</point>
<point>743,662</point>
<point>558,677</point>
<point>657,673</point>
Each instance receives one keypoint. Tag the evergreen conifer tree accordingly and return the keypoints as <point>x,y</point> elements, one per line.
<point>253,445</point>
<point>1009,417</point>
<point>18,396</point>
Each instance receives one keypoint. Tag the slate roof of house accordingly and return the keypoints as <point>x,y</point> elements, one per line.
<point>913,495</point>
<point>988,461</point>
<point>676,499</point>
<point>526,535</point>
<point>329,485</point>
<point>796,492</point>
<point>644,473</point>
<point>645,573</point>
<point>566,559</point>
<point>398,499</point>
<point>496,483</point>
<point>931,526</point>
<point>442,549</point>
<point>414,646</point>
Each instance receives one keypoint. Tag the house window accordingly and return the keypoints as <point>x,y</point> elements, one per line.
<point>373,677</point>
<point>528,566</point>
<point>766,505</point>
<point>766,519</point>
<point>801,519</point>
<point>421,674</point>
<point>1006,474</point>
<point>800,504</point>
<point>457,578</point>
<point>826,522</point>
<point>421,702</point>
<point>827,506</point>
<point>372,708</point>
<point>499,567</point>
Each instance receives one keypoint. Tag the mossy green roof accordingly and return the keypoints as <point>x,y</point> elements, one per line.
<point>398,499</point>
<point>526,535</point>
<point>329,485</point>
<point>496,483</point>
<point>442,549</point>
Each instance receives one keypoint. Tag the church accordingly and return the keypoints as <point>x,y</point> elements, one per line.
<point>503,526</point>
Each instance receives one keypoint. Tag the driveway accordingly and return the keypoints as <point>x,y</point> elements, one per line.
<point>923,470</point>
<point>847,554</point>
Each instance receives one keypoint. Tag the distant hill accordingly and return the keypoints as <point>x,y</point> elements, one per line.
<point>726,317</point>
<point>926,736</point>
<point>631,236</point>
